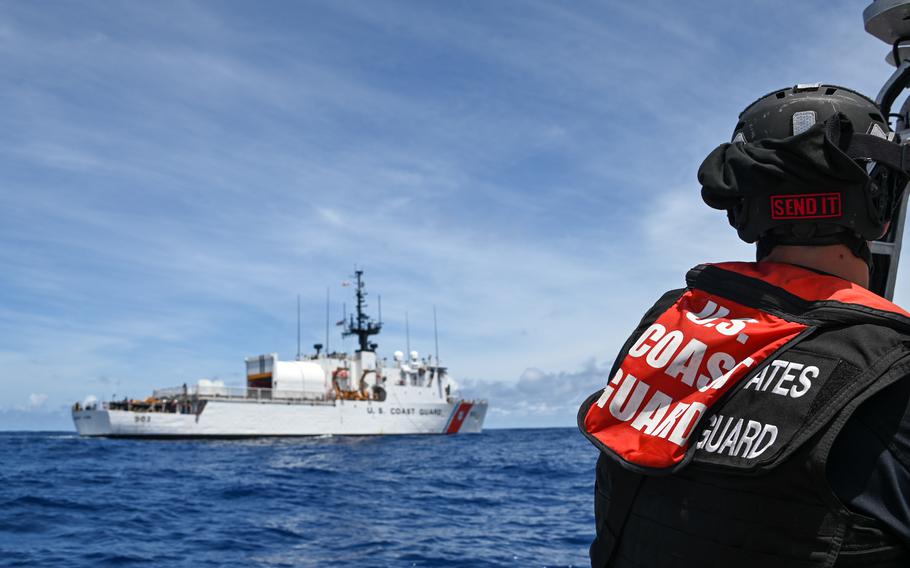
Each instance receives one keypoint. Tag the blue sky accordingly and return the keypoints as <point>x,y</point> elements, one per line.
<point>173,174</point>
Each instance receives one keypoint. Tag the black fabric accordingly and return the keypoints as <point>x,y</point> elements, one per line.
<point>869,464</point>
<point>707,520</point>
<point>839,380</point>
<point>795,165</point>
<point>741,178</point>
<point>749,292</point>
<point>768,298</point>
<point>872,147</point>
<point>614,495</point>
<point>699,519</point>
<point>848,365</point>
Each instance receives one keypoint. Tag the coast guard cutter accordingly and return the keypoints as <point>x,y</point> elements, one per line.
<point>319,394</point>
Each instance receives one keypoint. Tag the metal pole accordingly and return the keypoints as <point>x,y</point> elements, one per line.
<point>298,327</point>
<point>436,335</point>
<point>407,334</point>
<point>327,300</point>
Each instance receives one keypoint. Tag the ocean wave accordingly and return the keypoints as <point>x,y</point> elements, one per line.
<point>501,498</point>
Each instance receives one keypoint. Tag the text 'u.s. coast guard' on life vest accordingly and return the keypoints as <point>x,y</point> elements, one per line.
<point>676,369</point>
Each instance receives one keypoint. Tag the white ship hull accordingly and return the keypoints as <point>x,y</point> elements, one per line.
<point>250,418</point>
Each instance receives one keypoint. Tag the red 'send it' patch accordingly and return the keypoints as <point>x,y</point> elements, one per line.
<point>806,206</point>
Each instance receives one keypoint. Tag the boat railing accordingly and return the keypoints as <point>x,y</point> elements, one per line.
<point>245,393</point>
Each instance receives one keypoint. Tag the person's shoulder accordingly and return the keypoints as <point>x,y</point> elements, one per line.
<point>892,403</point>
<point>669,298</point>
<point>869,463</point>
<point>662,304</point>
<point>886,418</point>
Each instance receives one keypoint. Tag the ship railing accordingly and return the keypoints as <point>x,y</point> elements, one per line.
<point>315,397</point>
<point>201,391</point>
<point>245,393</point>
<point>174,392</point>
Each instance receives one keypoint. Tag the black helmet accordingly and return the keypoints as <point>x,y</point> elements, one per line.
<point>808,165</point>
<point>792,111</point>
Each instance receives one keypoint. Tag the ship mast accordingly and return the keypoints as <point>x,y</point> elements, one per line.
<point>363,326</point>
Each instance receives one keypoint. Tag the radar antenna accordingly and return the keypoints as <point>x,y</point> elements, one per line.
<point>363,326</point>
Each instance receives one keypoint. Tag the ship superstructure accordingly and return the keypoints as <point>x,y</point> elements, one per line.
<point>318,394</point>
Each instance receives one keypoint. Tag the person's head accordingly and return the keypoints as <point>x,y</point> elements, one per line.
<point>808,166</point>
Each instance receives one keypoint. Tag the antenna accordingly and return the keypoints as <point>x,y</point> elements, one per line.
<point>328,296</point>
<point>298,327</point>
<point>379,299</point>
<point>364,327</point>
<point>436,335</point>
<point>407,333</point>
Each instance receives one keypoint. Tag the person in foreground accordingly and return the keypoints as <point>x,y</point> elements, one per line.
<point>760,416</point>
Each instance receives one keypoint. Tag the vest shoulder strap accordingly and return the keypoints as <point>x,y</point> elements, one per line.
<point>796,292</point>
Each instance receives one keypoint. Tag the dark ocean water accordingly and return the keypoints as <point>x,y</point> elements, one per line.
<point>501,498</point>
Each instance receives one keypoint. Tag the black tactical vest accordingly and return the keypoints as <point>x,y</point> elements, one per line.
<point>721,409</point>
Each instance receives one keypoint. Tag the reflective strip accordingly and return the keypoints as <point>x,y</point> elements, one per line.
<point>803,121</point>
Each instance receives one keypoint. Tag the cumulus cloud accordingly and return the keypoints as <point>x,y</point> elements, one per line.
<point>538,398</point>
<point>36,400</point>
